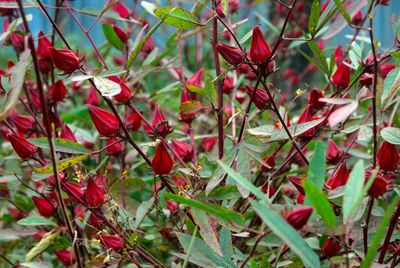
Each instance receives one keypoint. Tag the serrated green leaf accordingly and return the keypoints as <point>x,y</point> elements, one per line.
<point>177,17</point>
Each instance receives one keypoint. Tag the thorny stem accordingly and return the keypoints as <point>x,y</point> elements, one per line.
<point>49,134</point>
<point>220,105</point>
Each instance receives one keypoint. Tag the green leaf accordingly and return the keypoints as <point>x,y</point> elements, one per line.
<point>35,220</point>
<point>289,236</point>
<point>61,145</point>
<point>391,135</point>
<point>316,171</point>
<point>225,241</point>
<point>177,17</point>
<point>320,202</point>
<point>390,86</point>
<point>314,17</point>
<point>244,182</point>
<point>41,246</point>
<point>215,210</point>
<point>343,11</point>
<point>142,211</point>
<point>207,229</point>
<point>191,106</point>
<point>62,164</point>
<point>379,233</point>
<point>353,189</point>
<point>112,37</point>
<point>319,55</point>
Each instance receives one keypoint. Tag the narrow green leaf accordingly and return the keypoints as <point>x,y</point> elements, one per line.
<point>217,211</point>
<point>316,171</point>
<point>177,17</point>
<point>314,17</point>
<point>35,221</point>
<point>353,189</point>
<point>142,211</point>
<point>61,145</point>
<point>289,236</point>
<point>41,246</point>
<point>391,135</point>
<point>244,182</point>
<point>320,56</point>
<point>62,164</point>
<point>343,11</point>
<point>390,86</point>
<point>207,229</point>
<point>320,202</point>
<point>112,37</point>
<point>380,233</point>
<point>225,241</point>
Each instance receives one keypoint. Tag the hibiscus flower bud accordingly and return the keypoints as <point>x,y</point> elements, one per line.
<point>379,186</point>
<point>339,177</point>
<point>305,117</point>
<point>45,65</point>
<point>259,51</point>
<point>121,10</point>
<point>73,189</point>
<point>207,145</point>
<point>44,45</point>
<point>111,241</point>
<point>171,205</point>
<point>23,123</point>
<point>220,12</point>
<point>93,99</point>
<point>313,99</point>
<point>341,77</point>
<point>94,194</point>
<point>260,99</point>
<point>388,157</point>
<point>186,117</point>
<point>114,147</point>
<point>270,162</point>
<point>232,55</point>
<point>17,40</point>
<point>58,91</point>
<point>125,94</point>
<point>66,133</point>
<point>66,257</point>
<point>385,69</point>
<point>298,217</point>
<point>45,208</point>
<point>357,18</point>
<point>331,247</point>
<point>21,146</point>
<point>148,46</point>
<point>121,33</point>
<point>133,121</point>
<point>160,124</point>
<point>366,79</point>
<point>162,162</point>
<point>298,183</point>
<point>333,153</point>
<point>105,122</point>
<point>184,150</point>
<point>195,79</point>
<point>65,60</point>
<point>227,87</point>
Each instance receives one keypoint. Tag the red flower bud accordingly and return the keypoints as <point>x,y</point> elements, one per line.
<point>207,145</point>
<point>111,241</point>
<point>65,60</point>
<point>339,177</point>
<point>366,79</point>
<point>333,153</point>
<point>227,87</point>
<point>160,125</point>
<point>269,161</point>
<point>17,40</point>
<point>220,11</point>
<point>66,257</point>
<point>234,5</point>
<point>184,150</point>
<point>331,247</point>
<point>149,46</point>
<point>58,91</point>
<point>297,182</point>
<point>313,99</point>
<point>44,45</point>
<point>105,122</point>
<point>94,194</point>
<point>21,146</point>
<point>341,77</point>
<point>121,9</point>
<point>45,65</point>
<point>23,123</point>
<point>195,79</point>
<point>73,189</point>
<point>232,55</point>
<point>388,157</point>
<point>260,99</point>
<point>66,133</point>
<point>357,18</point>
<point>45,208</point>
<point>121,33</point>
<point>385,69</point>
<point>95,221</point>
<point>115,148</point>
<point>171,205</point>
<point>162,162</point>
<point>93,99</point>
<point>133,121</point>
<point>125,94</point>
<point>186,117</point>
<point>298,217</point>
<point>379,186</point>
<point>259,51</point>
<point>305,117</point>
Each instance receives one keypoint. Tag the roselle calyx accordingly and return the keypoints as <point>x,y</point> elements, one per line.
<point>66,257</point>
<point>113,242</point>
<point>339,177</point>
<point>331,247</point>
<point>159,124</point>
<point>298,217</point>
<point>114,147</point>
<point>105,122</point>
<point>94,194</point>
<point>184,150</point>
<point>341,77</point>
<point>259,51</point>
<point>58,91</point>
<point>65,60</point>
<point>21,146</point>
<point>121,33</point>
<point>45,208</point>
<point>133,121</point>
<point>44,45</point>
<point>333,153</point>
<point>388,157</point>
<point>232,55</point>
<point>261,99</point>
<point>162,162</point>
<point>66,133</point>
